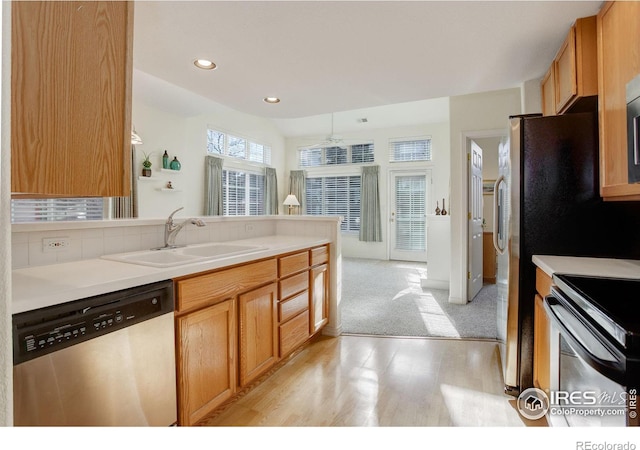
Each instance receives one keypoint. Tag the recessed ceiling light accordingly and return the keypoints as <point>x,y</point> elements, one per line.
<point>271,100</point>
<point>204,64</point>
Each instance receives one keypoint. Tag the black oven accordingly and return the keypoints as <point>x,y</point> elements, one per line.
<point>595,351</point>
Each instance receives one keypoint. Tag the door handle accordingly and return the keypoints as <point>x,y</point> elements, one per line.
<point>497,222</point>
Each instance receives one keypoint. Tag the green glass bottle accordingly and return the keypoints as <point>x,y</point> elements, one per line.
<point>175,164</point>
<point>165,160</point>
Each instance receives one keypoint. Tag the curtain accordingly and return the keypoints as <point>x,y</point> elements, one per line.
<point>126,207</point>
<point>370,222</point>
<point>270,191</point>
<point>298,187</point>
<point>213,186</point>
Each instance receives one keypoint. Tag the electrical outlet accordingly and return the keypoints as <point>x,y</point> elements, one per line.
<point>248,227</point>
<point>55,244</point>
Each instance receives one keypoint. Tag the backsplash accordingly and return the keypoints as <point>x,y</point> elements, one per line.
<point>88,240</point>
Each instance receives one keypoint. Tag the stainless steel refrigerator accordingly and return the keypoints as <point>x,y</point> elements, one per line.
<point>547,202</point>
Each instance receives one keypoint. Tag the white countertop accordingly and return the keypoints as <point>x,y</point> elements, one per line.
<point>603,267</point>
<point>42,286</point>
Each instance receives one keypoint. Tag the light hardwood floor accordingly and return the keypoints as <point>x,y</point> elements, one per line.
<point>380,381</point>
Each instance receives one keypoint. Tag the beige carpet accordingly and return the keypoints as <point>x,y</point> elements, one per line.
<point>386,298</point>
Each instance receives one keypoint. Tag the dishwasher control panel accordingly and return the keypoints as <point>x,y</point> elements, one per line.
<point>40,332</point>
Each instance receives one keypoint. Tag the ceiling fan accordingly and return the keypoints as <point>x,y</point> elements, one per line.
<point>333,140</point>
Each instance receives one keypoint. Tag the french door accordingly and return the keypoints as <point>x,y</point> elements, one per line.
<point>409,198</point>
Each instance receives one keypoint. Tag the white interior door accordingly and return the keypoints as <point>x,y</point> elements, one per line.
<point>408,216</point>
<point>475,221</point>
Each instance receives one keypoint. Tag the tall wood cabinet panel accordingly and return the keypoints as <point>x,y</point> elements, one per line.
<point>542,334</point>
<point>258,333</point>
<point>618,63</point>
<point>206,354</point>
<point>71,78</point>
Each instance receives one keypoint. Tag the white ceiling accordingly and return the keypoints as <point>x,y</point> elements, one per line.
<point>326,56</point>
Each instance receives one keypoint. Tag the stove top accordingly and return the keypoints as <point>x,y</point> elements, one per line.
<point>613,303</point>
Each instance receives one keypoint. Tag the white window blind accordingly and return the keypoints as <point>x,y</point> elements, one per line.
<point>410,149</point>
<point>410,213</point>
<point>242,193</point>
<point>56,209</point>
<point>338,196</point>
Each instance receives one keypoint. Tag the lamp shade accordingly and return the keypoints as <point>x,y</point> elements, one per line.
<point>291,200</point>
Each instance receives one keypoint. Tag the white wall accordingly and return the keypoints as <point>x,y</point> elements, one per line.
<point>186,138</point>
<point>439,167</point>
<point>470,114</point>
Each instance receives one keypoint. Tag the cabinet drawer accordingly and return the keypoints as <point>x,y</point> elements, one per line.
<point>293,285</point>
<point>204,289</point>
<point>293,263</point>
<point>319,255</point>
<point>294,333</point>
<point>293,306</point>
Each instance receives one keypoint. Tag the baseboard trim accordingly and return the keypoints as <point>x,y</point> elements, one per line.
<point>435,284</point>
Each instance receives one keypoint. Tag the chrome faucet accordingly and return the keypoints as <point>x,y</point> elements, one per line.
<point>171,230</point>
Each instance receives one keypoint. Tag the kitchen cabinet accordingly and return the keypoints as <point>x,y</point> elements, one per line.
<point>573,75</point>
<point>319,298</point>
<point>233,324</point>
<point>206,354</point>
<point>258,337</point>
<point>542,334</point>
<point>618,63</point>
<point>207,334</point>
<point>575,66</point>
<point>71,77</point>
<point>548,88</point>
<point>293,308</point>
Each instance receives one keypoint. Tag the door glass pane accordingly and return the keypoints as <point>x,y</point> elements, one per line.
<point>410,213</point>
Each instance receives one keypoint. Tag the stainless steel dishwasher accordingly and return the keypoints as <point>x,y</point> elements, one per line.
<point>107,360</point>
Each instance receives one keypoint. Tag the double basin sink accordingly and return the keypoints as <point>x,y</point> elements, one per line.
<point>169,257</point>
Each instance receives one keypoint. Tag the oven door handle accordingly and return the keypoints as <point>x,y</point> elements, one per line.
<point>584,342</point>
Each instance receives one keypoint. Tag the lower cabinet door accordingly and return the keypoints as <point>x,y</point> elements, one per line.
<point>319,298</point>
<point>258,333</point>
<point>206,354</point>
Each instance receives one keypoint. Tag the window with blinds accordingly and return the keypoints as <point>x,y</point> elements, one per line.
<point>335,196</point>
<point>56,209</point>
<point>410,149</point>
<point>220,143</point>
<point>242,193</point>
<point>410,213</point>
<point>328,156</point>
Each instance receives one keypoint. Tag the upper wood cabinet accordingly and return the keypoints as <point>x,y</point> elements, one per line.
<point>573,73</point>
<point>71,71</point>
<point>618,63</point>
<point>548,88</point>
